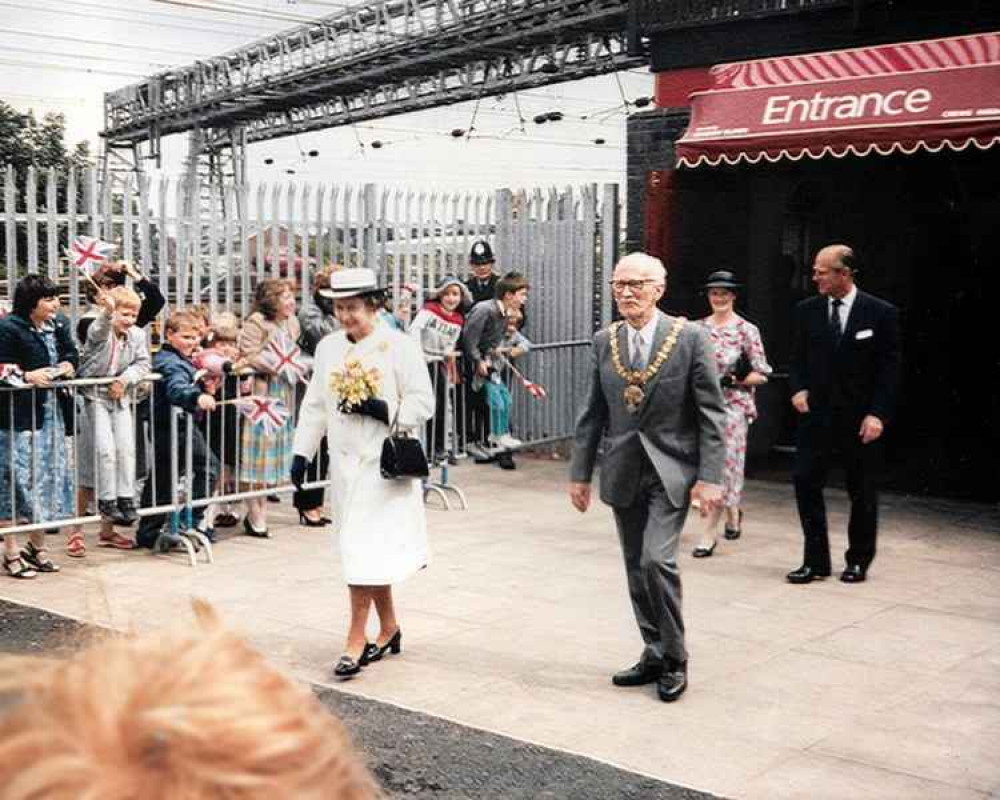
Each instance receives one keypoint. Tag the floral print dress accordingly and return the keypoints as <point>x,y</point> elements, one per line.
<point>38,461</point>
<point>730,341</point>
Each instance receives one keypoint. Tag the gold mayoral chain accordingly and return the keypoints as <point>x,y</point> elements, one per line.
<point>635,378</point>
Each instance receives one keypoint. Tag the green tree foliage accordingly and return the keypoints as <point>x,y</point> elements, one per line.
<point>26,141</point>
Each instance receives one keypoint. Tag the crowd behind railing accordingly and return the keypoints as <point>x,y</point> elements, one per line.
<point>189,430</point>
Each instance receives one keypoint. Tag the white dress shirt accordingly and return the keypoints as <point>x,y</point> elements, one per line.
<point>645,334</point>
<point>845,307</point>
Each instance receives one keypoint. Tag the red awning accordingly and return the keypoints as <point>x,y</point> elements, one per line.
<point>871,100</point>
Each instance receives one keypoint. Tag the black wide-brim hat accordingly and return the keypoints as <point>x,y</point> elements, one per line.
<point>722,279</point>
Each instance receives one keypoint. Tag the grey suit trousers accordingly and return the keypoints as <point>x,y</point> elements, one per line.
<point>650,532</point>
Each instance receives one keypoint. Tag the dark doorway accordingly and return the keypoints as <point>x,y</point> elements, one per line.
<point>925,228</point>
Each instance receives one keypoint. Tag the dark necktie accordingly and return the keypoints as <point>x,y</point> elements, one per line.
<point>835,328</point>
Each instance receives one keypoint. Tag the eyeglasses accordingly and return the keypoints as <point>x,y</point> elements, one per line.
<point>634,286</point>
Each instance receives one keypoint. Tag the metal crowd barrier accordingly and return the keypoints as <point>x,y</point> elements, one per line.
<point>457,429</point>
<point>442,436</point>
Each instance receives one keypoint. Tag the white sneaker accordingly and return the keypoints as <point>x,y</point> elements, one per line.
<point>509,442</point>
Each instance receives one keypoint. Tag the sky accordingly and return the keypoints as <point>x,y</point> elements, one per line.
<point>62,55</point>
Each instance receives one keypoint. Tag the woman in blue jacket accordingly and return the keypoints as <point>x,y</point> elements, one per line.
<point>35,478</point>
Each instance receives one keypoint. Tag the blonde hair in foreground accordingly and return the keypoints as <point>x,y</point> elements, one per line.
<point>170,716</point>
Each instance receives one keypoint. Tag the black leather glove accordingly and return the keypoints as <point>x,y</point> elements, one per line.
<point>298,471</point>
<point>372,407</point>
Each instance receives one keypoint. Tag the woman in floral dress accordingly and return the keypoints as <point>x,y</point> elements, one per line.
<point>36,485</point>
<point>742,365</point>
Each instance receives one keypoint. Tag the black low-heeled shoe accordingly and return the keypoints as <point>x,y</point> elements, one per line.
<point>250,530</point>
<point>394,645</point>
<point>735,533</point>
<point>347,667</point>
<point>322,522</point>
<point>703,552</point>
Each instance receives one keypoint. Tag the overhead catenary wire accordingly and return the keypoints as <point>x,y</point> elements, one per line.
<point>87,57</point>
<point>250,26</point>
<point>108,18</point>
<point>243,10</point>
<point>68,68</point>
<point>94,43</point>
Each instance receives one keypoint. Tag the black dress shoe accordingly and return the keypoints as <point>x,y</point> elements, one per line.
<point>637,675</point>
<point>806,574</point>
<point>672,682</point>
<point>854,573</point>
<point>703,552</point>
<point>250,530</point>
<point>394,645</point>
<point>347,667</point>
<point>735,533</point>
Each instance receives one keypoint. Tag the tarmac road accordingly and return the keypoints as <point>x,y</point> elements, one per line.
<point>413,754</point>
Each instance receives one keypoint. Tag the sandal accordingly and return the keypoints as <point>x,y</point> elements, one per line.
<point>117,541</point>
<point>76,547</point>
<point>38,559</point>
<point>16,568</point>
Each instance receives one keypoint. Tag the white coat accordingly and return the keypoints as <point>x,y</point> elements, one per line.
<point>381,523</point>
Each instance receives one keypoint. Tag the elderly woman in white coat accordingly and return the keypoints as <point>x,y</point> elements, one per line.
<point>380,522</point>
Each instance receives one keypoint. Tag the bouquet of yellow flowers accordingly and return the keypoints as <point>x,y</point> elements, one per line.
<point>354,384</point>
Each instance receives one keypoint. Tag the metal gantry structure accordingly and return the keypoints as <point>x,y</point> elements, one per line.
<point>373,60</point>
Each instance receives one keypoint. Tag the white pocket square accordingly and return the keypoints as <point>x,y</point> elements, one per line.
<point>867,333</point>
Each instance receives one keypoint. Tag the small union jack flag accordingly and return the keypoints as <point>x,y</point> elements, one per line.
<point>285,359</point>
<point>535,389</point>
<point>87,253</point>
<point>268,412</point>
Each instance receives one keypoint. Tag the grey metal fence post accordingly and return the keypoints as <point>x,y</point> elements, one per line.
<point>504,239</point>
<point>369,211</point>
<point>609,238</point>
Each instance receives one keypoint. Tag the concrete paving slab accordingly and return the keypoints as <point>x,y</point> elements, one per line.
<point>884,689</point>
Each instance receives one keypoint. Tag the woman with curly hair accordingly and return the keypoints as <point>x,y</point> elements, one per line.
<point>188,715</point>
<point>266,455</point>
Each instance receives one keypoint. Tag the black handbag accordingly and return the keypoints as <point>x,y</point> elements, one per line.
<point>742,367</point>
<point>402,455</point>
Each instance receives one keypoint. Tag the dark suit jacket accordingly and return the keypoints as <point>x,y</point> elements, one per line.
<point>679,425</point>
<point>858,376</point>
<point>482,290</point>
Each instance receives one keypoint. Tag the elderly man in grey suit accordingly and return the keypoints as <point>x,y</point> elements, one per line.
<point>655,394</point>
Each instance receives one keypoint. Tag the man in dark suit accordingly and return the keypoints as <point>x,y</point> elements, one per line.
<point>654,397</point>
<point>844,380</point>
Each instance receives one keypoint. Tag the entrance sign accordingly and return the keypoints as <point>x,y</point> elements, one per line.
<point>895,98</point>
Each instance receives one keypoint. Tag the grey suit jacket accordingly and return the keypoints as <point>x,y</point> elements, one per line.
<point>679,424</point>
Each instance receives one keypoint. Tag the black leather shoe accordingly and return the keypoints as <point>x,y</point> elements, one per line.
<point>637,675</point>
<point>366,655</point>
<point>672,682</point>
<point>347,667</point>
<point>250,530</point>
<point>703,552</point>
<point>806,574</point>
<point>394,645</point>
<point>854,573</point>
<point>735,533</point>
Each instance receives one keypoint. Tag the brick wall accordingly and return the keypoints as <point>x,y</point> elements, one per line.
<point>650,146</point>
